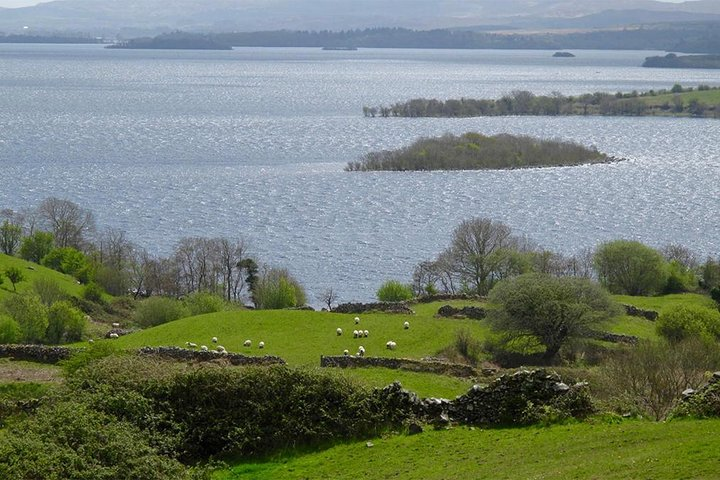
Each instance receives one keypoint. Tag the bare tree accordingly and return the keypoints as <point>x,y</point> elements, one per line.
<point>328,297</point>
<point>70,224</point>
<point>230,256</point>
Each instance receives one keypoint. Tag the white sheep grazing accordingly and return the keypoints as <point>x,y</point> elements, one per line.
<point>390,345</point>
<point>214,339</point>
<point>346,352</point>
<point>261,345</point>
<point>203,348</point>
<point>361,351</point>
<point>247,343</point>
<point>116,325</point>
<point>221,349</point>
<point>339,331</point>
<point>406,325</point>
<point>366,333</point>
<point>355,333</point>
<point>192,345</point>
<point>357,320</point>
<point>114,335</point>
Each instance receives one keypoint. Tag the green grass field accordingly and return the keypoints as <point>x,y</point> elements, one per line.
<point>708,97</point>
<point>33,271</point>
<point>629,449</point>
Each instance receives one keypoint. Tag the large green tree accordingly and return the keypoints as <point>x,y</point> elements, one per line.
<point>10,235</point>
<point>631,268</point>
<point>549,310</point>
<point>36,246</point>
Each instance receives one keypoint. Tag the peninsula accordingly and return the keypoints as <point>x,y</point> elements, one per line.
<point>672,60</point>
<point>173,41</point>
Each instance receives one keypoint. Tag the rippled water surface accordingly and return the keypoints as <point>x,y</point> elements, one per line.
<point>253,142</point>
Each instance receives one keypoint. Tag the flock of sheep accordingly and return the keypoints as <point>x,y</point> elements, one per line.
<point>390,345</point>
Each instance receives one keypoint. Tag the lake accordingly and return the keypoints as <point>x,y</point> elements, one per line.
<point>252,142</point>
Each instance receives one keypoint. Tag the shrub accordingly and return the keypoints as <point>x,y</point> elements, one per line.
<point>49,290</point>
<point>65,323</point>
<point>679,278</point>
<point>681,322</point>
<point>69,261</point>
<point>82,358</point>
<point>651,376</point>
<point>204,302</point>
<point>92,292</point>
<point>15,275</point>
<point>277,289</point>
<point>704,403</point>
<point>31,315</point>
<point>70,440</point>
<point>155,311</point>
<point>394,291</point>
<point>9,330</point>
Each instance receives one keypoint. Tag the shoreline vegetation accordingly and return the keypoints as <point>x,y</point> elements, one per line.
<point>703,101</point>
<point>173,41</point>
<point>474,151</point>
<point>672,60</point>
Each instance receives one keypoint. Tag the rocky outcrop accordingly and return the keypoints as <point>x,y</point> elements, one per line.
<point>187,355</point>
<point>385,307</point>
<point>442,368</point>
<point>634,311</point>
<point>476,313</point>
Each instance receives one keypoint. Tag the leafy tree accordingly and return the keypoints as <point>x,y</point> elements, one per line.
<point>204,302</point>
<point>69,260</point>
<point>277,289</point>
<point>394,291</point>
<point>65,323</point>
<point>36,246</point>
<point>158,310</point>
<point>93,293</point>
<point>689,321</point>
<point>10,235</point>
<point>15,275</point>
<point>31,315</point>
<point>631,268</point>
<point>9,330</point>
<point>547,309</point>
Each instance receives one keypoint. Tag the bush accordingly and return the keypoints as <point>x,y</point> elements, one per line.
<point>92,292</point>
<point>15,275</point>
<point>651,376</point>
<point>704,403</point>
<point>681,322</point>
<point>49,290</point>
<point>31,315</point>
<point>69,440</point>
<point>9,330</point>
<point>277,289</point>
<point>394,291</point>
<point>69,261</point>
<point>155,311</point>
<point>65,323</point>
<point>204,302</point>
<point>680,279</point>
<point>84,357</point>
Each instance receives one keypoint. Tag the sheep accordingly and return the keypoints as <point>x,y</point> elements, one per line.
<point>261,345</point>
<point>390,345</point>
<point>357,320</point>
<point>406,325</point>
<point>355,334</point>
<point>116,325</point>
<point>361,351</point>
<point>247,343</point>
<point>214,339</point>
<point>191,345</point>
<point>220,349</point>
<point>114,335</point>
<point>203,348</point>
<point>346,352</point>
<point>91,341</point>
<point>366,333</point>
<point>338,331</point>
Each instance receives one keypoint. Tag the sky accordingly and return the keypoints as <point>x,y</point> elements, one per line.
<point>26,3</point>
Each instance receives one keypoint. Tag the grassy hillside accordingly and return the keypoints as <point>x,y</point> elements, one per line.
<point>630,449</point>
<point>709,97</point>
<point>33,271</point>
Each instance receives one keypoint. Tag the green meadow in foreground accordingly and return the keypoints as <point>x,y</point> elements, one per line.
<point>588,450</point>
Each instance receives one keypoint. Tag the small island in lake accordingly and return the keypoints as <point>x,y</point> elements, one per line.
<point>474,151</point>
<point>173,41</point>
<point>563,55</point>
<point>672,60</point>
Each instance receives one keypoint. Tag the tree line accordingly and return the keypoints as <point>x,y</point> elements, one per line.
<point>522,102</point>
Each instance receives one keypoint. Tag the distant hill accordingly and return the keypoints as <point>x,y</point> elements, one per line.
<point>144,17</point>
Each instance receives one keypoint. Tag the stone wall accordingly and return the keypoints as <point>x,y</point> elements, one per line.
<point>444,297</point>
<point>36,353</point>
<point>634,311</point>
<point>476,313</point>
<point>184,354</point>
<point>443,368</point>
<point>612,337</point>
<point>387,307</point>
